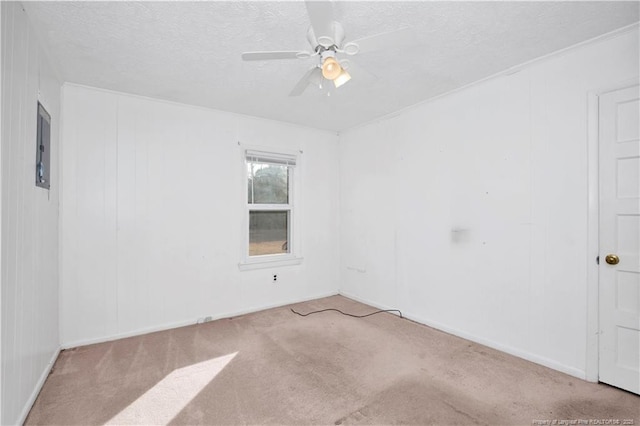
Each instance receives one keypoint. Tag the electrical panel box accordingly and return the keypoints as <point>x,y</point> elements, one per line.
<point>43,151</point>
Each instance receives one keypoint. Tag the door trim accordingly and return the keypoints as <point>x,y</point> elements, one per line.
<point>593,227</point>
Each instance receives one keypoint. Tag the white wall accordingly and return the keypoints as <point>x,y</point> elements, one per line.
<point>30,338</point>
<point>469,212</point>
<point>152,214</point>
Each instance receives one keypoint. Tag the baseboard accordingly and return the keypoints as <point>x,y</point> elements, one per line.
<point>38,388</point>
<point>572,371</point>
<point>177,324</point>
<point>276,305</point>
<point>137,332</point>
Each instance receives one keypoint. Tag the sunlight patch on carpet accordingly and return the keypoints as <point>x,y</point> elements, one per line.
<point>161,403</point>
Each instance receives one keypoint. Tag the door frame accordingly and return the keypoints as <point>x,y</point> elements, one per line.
<point>593,225</point>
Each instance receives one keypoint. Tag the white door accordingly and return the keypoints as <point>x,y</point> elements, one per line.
<point>619,278</point>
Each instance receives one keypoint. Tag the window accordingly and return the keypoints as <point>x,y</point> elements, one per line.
<point>43,145</point>
<point>270,207</point>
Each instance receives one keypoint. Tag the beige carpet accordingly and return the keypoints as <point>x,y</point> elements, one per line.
<point>274,367</point>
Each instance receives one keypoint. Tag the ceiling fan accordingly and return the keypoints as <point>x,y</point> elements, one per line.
<point>326,38</point>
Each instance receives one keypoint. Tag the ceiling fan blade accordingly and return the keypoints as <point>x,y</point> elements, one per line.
<point>391,40</point>
<point>309,76</point>
<point>265,56</point>
<point>321,17</point>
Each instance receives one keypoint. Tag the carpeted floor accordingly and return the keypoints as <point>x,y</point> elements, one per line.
<point>274,367</point>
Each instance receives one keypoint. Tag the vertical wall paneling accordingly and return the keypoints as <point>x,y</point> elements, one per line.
<point>485,191</point>
<point>29,298</point>
<point>89,158</point>
<point>152,213</point>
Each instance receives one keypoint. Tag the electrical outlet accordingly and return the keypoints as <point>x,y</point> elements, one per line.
<point>275,278</point>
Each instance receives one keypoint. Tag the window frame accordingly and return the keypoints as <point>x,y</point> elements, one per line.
<point>293,257</point>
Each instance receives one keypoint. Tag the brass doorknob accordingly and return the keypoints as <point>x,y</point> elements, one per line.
<point>612,259</point>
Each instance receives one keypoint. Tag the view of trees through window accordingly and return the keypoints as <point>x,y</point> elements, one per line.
<point>268,196</point>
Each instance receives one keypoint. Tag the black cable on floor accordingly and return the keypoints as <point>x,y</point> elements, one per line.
<point>347,314</point>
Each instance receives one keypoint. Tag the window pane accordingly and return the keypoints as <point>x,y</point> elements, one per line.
<point>268,183</point>
<point>268,232</point>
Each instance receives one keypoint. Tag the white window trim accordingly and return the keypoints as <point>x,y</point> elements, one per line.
<point>294,256</point>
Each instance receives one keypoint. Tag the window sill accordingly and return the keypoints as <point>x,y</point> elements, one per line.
<point>269,263</point>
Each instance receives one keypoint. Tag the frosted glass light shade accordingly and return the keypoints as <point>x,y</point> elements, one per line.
<point>342,78</point>
<point>331,69</point>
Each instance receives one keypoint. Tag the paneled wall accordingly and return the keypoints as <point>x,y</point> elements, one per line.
<point>469,212</point>
<point>152,215</point>
<point>30,337</point>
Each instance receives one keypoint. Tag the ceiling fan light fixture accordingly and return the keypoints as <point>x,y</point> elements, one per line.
<point>331,69</point>
<point>342,78</point>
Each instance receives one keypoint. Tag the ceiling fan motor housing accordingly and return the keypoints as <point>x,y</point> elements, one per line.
<point>328,41</point>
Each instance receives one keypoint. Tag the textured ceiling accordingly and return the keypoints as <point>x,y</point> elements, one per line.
<point>190,51</point>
